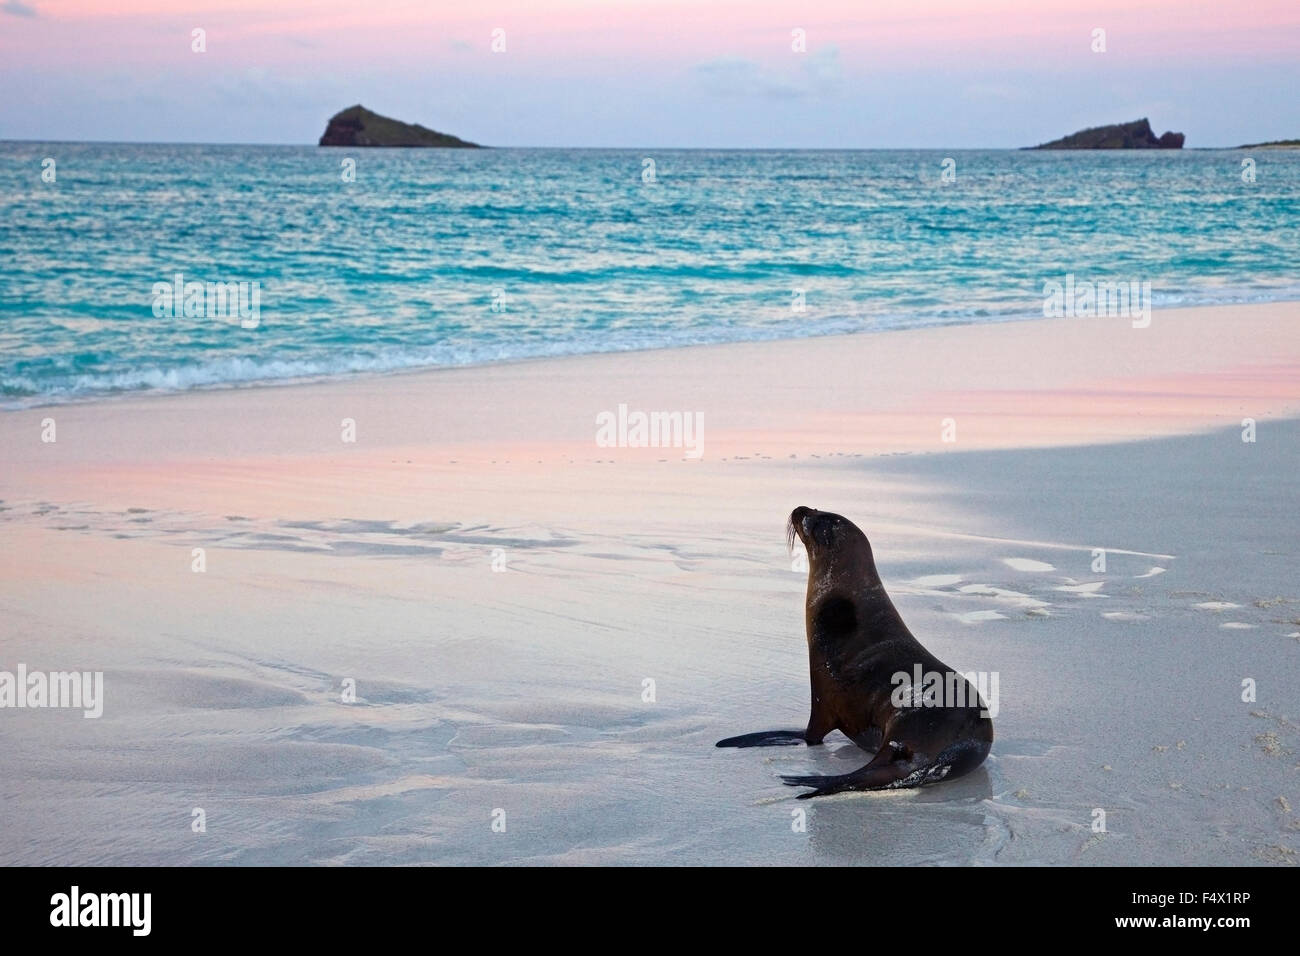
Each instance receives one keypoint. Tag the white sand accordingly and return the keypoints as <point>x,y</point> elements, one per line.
<point>523,690</point>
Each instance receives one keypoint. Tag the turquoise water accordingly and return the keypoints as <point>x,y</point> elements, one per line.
<point>402,267</point>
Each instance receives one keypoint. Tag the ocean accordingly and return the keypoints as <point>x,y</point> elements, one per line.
<point>362,261</point>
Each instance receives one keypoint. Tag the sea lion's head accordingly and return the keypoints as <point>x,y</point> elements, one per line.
<point>843,586</point>
<point>835,545</point>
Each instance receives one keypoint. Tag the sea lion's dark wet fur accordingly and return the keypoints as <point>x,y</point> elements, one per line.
<point>857,642</point>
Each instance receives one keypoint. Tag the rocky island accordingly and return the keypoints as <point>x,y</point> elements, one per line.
<point>358,126</point>
<point>1134,135</point>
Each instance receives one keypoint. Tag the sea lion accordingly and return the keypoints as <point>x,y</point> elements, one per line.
<point>862,660</point>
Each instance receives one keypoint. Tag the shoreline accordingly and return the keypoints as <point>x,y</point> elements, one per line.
<point>326,379</point>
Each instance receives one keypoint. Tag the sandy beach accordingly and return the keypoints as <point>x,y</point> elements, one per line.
<point>551,633</point>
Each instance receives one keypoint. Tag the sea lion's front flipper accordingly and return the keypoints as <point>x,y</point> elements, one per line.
<point>766,738</point>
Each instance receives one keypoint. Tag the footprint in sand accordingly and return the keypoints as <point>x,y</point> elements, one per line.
<point>1236,626</point>
<point>1089,589</point>
<point>1027,564</point>
<point>1016,598</point>
<point>1150,574</point>
<point>935,580</point>
<point>974,617</point>
<point>1216,605</point>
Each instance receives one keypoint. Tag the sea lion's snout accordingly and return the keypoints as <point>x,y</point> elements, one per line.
<point>796,526</point>
<point>812,527</point>
<point>822,530</point>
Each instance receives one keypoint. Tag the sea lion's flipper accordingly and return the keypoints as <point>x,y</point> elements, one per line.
<point>897,768</point>
<point>892,767</point>
<point>871,777</point>
<point>766,738</point>
<point>819,725</point>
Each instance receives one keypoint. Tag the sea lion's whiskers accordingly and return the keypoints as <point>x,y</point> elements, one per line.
<point>789,534</point>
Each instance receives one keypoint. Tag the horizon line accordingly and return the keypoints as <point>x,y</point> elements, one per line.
<point>750,149</point>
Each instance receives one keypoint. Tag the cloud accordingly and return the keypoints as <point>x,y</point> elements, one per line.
<point>815,74</point>
<point>16,9</point>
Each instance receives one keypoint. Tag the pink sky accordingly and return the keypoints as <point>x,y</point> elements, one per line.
<point>314,52</point>
<point>90,32</point>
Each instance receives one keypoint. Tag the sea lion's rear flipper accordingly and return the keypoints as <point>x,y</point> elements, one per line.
<point>888,777</point>
<point>891,768</point>
<point>766,738</point>
<point>898,768</point>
